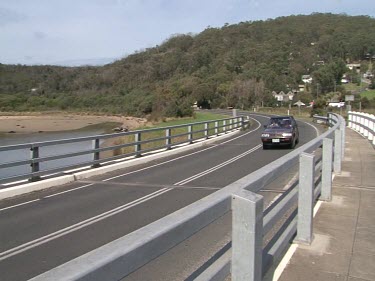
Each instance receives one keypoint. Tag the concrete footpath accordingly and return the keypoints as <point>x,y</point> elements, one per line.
<point>344,229</point>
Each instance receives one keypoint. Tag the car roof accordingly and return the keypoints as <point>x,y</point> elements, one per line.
<point>282,117</point>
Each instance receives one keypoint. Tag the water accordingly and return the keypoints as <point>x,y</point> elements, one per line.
<point>25,154</point>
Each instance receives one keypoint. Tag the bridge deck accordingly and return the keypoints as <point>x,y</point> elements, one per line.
<point>344,231</point>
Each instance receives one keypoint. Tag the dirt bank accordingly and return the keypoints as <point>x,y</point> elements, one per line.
<point>60,122</point>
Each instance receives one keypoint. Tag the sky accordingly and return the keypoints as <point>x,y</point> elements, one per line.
<point>76,32</point>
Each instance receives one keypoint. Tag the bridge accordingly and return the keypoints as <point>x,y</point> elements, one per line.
<point>175,217</point>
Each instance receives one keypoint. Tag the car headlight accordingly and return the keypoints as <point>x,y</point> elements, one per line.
<point>287,134</point>
<point>265,135</point>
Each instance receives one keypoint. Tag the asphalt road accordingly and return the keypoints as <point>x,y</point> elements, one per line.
<point>42,230</point>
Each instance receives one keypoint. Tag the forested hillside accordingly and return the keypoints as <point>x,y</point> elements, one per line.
<point>235,65</point>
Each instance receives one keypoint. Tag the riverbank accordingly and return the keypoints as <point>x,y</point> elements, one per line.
<point>36,123</point>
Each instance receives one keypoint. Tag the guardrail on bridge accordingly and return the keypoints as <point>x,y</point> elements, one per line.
<point>363,123</point>
<point>248,259</point>
<point>136,144</point>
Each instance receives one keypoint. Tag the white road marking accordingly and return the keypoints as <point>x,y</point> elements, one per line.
<point>39,241</point>
<point>184,156</point>
<point>70,190</point>
<point>14,206</point>
<point>201,174</point>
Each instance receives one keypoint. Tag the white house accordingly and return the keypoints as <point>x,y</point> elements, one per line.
<point>282,96</point>
<point>307,79</point>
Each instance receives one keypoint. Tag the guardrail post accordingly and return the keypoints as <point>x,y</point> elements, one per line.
<point>34,165</point>
<point>365,124</point>
<point>342,128</point>
<point>305,198</point>
<point>96,157</point>
<point>224,126</point>
<point>137,146</point>
<point>357,120</point>
<point>216,128</point>
<point>230,124</point>
<point>337,152</point>
<point>242,122</point>
<point>371,127</point>
<point>168,141</point>
<point>190,134</point>
<point>206,130</point>
<point>361,129</point>
<point>350,119</point>
<point>247,236</point>
<point>326,193</point>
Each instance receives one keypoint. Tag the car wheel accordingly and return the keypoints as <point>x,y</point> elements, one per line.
<point>292,144</point>
<point>265,146</point>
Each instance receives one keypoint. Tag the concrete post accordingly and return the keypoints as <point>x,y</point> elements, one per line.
<point>206,130</point>
<point>230,124</point>
<point>342,129</point>
<point>371,127</point>
<point>96,156</point>
<point>216,128</point>
<point>350,118</point>
<point>247,236</point>
<point>34,154</point>
<point>234,112</point>
<point>366,126</point>
<point>337,152</point>
<point>168,140</point>
<point>326,193</point>
<point>305,198</point>
<point>190,134</point>
<point>137,146</point>
<point>224,126</point>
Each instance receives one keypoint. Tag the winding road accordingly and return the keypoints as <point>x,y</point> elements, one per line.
<point>42,230</point>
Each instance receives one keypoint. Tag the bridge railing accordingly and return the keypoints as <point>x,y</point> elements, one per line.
<point>249,258</point>
<point>43,157</point>
<point>363,123</point>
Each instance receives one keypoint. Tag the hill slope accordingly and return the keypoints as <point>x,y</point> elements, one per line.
<point>236,65</point>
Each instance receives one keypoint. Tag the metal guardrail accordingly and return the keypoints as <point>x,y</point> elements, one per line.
<point>248,259</point>
<point>137,143</point>
<point>363,123</point>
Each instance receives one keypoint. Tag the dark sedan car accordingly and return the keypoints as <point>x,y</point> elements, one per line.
<point>280,130</point>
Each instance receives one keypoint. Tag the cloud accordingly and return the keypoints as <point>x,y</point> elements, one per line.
<point>39,35</point>
<point>8,17</point>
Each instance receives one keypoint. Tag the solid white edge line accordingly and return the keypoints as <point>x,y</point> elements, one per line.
<point>67,191</point>
<point>44,239</point>
<point>187,155</point>
<point>14,206</point>
<point>215,168</point>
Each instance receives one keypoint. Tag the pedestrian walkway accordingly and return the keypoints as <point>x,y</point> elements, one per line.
<point>344,229</point>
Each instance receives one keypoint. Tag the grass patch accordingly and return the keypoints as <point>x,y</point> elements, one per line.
<point>370,94</point>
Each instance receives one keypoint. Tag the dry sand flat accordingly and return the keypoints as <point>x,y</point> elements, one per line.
<point>63,122</point>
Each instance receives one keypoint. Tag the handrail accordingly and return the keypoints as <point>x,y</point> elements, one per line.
<point>119,258</point>
<point>155,138</point>
<point>362,123</point>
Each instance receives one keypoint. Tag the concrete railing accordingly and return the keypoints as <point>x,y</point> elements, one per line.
<point>363,123</point>
<point>249,258</point>
<point>40,156</point>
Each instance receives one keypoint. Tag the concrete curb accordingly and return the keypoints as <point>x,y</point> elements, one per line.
<point>44,184</point>
<point>34,186</point>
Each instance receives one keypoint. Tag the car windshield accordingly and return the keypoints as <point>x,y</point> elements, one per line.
<point>279,123</point>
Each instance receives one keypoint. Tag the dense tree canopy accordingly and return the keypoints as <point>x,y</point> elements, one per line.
<point>236,65</point>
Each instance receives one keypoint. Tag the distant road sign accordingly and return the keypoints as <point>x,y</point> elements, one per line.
<point>349,97</point>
